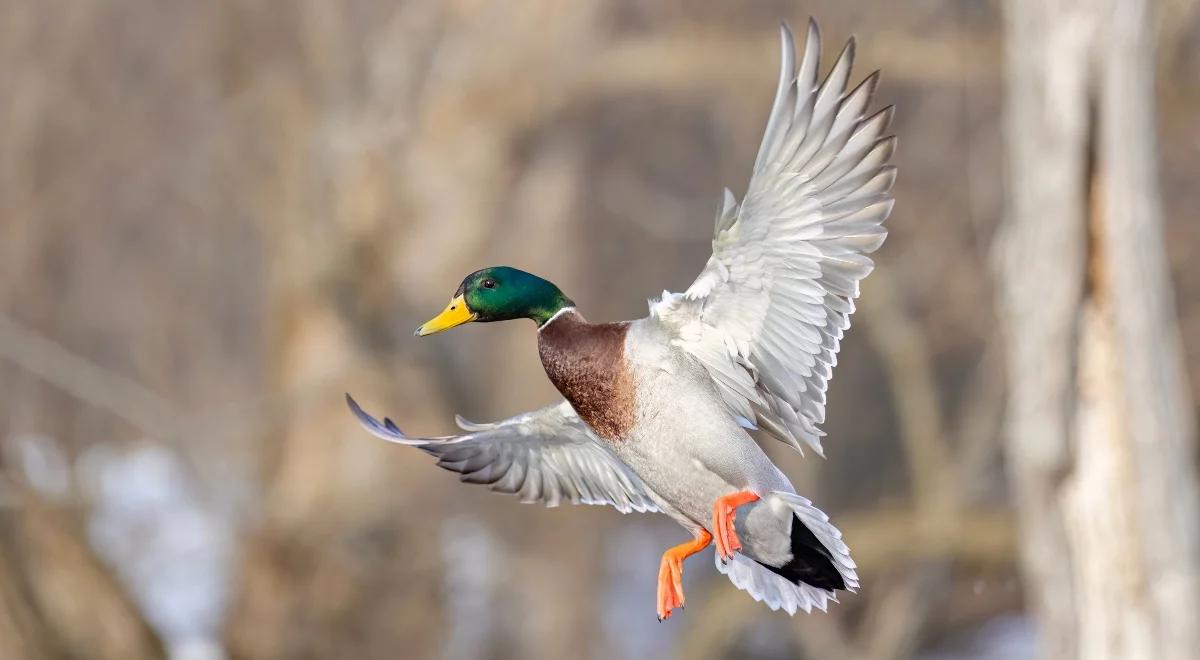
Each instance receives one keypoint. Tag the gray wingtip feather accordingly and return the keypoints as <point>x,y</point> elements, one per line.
<point>787,72</point>
<point>889,113</point>
<point>467,425</point>
<point>386,430</point>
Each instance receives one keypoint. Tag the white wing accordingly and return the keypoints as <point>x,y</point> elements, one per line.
<point>766,315</point>
<point>548,456</point>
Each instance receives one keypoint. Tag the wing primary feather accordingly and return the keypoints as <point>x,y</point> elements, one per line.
<point>787,63</point>
<point>806,77</point>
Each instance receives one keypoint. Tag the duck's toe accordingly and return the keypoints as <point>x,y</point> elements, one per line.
<point>670,574</point>
<point>724,514</point>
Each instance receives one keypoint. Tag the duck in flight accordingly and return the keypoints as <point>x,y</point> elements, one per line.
<point>658,411</point>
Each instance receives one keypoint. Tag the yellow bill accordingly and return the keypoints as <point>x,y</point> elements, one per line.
<point>456,313</point>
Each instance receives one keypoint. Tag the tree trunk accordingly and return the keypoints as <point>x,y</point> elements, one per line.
<point>1100,437</point>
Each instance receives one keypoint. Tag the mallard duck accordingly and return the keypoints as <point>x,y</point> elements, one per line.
<point>658,411</point>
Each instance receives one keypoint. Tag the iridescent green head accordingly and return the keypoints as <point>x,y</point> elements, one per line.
<point>499,293</point>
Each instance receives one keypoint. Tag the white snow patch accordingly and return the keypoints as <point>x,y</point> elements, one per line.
<point>169,548</point>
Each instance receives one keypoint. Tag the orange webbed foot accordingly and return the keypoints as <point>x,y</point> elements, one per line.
<point>724,513</point>
<point>670,573</point>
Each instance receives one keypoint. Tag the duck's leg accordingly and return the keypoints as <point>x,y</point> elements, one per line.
<point>724,513</point>
<point>670,573</point>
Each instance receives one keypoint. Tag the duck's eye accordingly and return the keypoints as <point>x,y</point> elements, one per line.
<point>489,283</point>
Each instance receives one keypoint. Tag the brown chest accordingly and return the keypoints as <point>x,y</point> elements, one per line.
<point>586,362</point>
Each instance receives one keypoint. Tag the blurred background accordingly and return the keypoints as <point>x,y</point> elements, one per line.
<point>216,217</point>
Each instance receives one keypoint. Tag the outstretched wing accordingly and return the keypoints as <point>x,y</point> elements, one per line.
<point>766,315</point>
<point>548,456</point>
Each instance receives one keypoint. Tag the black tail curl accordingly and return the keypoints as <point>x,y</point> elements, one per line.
<point>811,562</point>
